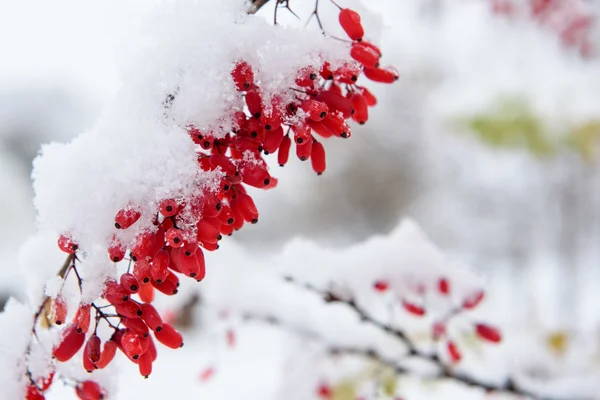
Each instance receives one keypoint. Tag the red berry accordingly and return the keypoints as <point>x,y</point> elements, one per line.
<point>168,287</point>
<point>326,72</point>
<point>336,102</point>
<point>70,343</point>
<point>92,349</point>
<point>304,150</point>
<point>129,309</point>
<point>126,217</point>
<point>284,150</point>
<point>254,102</point>
<point>453,352</point>
<point>361,108</point>
<point>243,76</point>
<point>142,271</point>
<point>174,237</point>
<point>145,364</point>
<point>383,75</point>
<point>317,157</point>
<point>115,293</point>
<point>335,123</point>
<point>381,286</point>
<point>136,325</point>
<point>306,77</point>
<point>365,55</point>
<point>247,208</point>
<point>146,292</point>
<point>444,286</point>
<point>273,140</point>
<point>320,129</point>
<point>301,132</point>
<point>108,353</point>
<point>473,300</point>
<point>371,99</point>
<point>350,21</point>
<point>130,283</point>
<point>58,310</point>
<point>116,252</point>
<point>151,317</point>
<point>488,333</point>
<point>168,207</point>
<point>66,244</point>
<point>33,393</point>
<point>90,390</point>
<point>132,345</point>
<point>413,308</point>
<point>169,337</point>
<point>82,318</point>
<point>372,47</point>
<point>324,391</point>
<point>316,110</point>
<point>159,265</point>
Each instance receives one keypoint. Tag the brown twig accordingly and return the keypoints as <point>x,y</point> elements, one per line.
<point>509,386</point>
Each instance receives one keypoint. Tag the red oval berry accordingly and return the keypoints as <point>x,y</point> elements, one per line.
<point>336,102</point>
<point>247,208</point>
<point>146,292</point>
<point>33,393</point>
<point>243,76</point>
<point>284,150</point>
<point>67,244</point>
<point>145,364</point>
<point>361,108</point>
<point>413,308</point>
<point>370,97</point>
<point>90,390</point>
<point>365,55</point>
<point>58,310</point>
<point>108,353</point>
<point>126,217</point>
<point>453,352</point>
<point>317,157</point>
<point>350,21</point>
<point>304,150</point>
<point>381,286</point>
<point>168,207</point>
<point>382,75</point>
<point>130,283</point>
<point>473,300</point>
<point>169,337</point>
<point>92,349</point>
<point>129,309</point>
<point>70,343</point>
<point>273,140</point>
<point>306,77</point>
<point>488,333</point>
<point>254,102</point>
<point>151,317</point>
<point>174,237</point>
<point>316,110</point>
<point>444,286</point>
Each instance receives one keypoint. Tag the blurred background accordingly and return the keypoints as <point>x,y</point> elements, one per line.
<point>490,141</point>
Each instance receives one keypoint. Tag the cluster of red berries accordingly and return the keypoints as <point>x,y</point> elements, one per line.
<point>568,18</point>
<point>481,330</point>
<point>319,105</point>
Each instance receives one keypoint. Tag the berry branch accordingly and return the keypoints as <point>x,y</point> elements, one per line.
<point>446,371</point>
<point>181,227</point>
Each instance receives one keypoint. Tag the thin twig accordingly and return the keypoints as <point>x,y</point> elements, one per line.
<point>509,386</point>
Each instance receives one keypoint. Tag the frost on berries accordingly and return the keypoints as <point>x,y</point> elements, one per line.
<point>163,176</point>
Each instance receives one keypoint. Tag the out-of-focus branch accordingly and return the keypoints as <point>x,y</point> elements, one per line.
<point>256,5</point>
<point>508,387</point>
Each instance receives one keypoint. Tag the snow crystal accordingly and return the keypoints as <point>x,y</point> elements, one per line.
<point>139,151</point>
